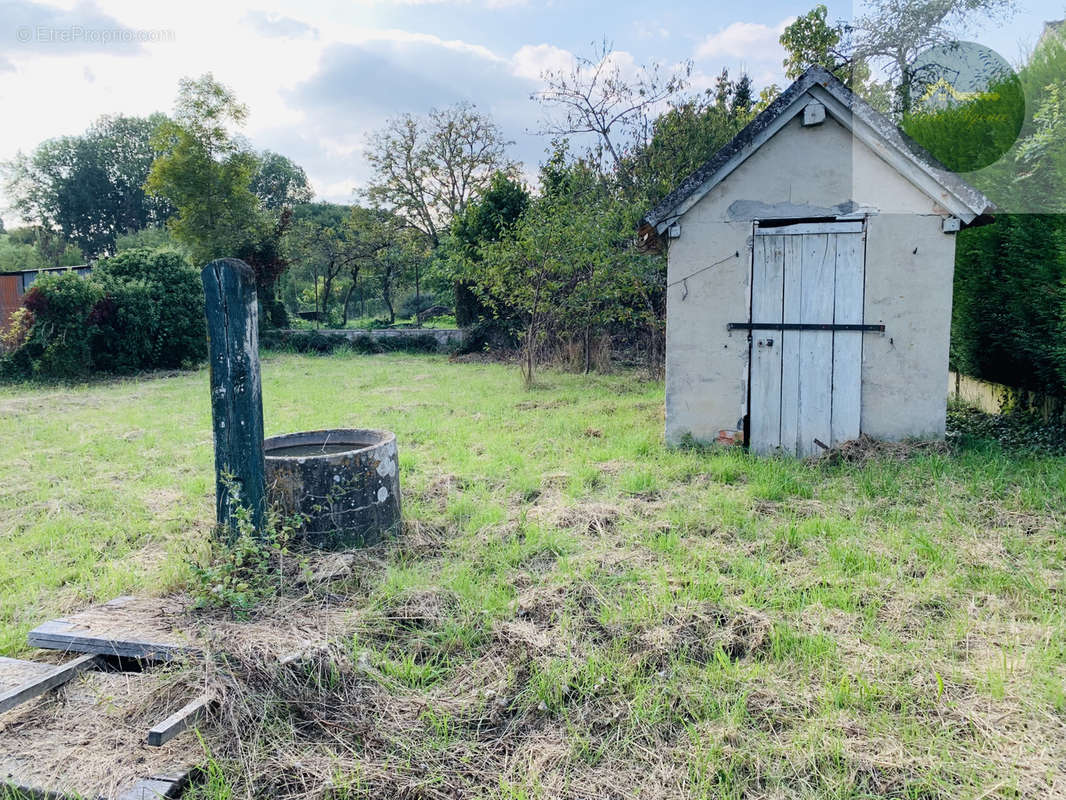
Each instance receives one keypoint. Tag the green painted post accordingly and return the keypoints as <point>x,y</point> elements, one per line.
<point>236,391</point>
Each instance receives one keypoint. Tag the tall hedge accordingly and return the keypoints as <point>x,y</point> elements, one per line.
<point>1009,320</point>
<point>153,312</point>
<point>142,309</point>
<point>1009,317</point>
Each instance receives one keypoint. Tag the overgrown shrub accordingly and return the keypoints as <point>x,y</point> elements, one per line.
<point>141,309</point>
<point>1018,431</point>
<point>57,343</point>
<point>152,314</point>
<point>244,566</point>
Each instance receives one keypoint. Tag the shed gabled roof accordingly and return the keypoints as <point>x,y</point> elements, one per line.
<point>860,118</point>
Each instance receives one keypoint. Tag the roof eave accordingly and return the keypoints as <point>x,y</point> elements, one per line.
<point>958,197</point>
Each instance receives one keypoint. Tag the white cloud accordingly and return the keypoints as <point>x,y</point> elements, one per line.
<point>745,40</point>
<point>533,60</point>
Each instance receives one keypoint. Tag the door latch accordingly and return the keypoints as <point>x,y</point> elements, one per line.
<point>766,342</point>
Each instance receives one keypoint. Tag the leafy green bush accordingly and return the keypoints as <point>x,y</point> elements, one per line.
<point>152,316</point>
<point>57,345</point>
<point>141,309</point>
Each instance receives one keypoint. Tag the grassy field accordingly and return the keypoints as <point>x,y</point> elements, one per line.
<point>576,611</point>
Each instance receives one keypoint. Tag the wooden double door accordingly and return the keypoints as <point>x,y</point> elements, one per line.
<point>806,327</point>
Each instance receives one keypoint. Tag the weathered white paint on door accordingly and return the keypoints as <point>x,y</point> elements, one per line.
<point>806,385</point>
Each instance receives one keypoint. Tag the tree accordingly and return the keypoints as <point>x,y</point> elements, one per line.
<point>894,32</point>
<point>202,171</point>
<point>483,221</point>
<point>36,247</point>
<point>567,267</point>
<point>332,243</point>
<point>812,41</point>
<point>326,252</point>
<point>595,97</point>
<point>689,133</point>
<point>427,169</point>
<point>90,187</point>
<point>265,255</point>
<point>399,259</point>
<point>280,183</point>
<point>890,35</point>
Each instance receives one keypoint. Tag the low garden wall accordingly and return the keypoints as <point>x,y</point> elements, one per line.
<point>996,398</point>
<point>382,340</point>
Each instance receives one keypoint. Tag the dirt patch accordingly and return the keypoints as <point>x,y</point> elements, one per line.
<point>796,506</point>
<point>89,737</point>
<point>486,357</point>
<point>591,518</point>
<point>441,488</point>
<point>702,633</point>
<point>160,501</point>
<point>532,405</point>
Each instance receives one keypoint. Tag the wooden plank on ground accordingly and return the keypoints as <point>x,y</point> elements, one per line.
<point>149,789</point>
<point>15,672</point>
<point>127,626</point>
<point>17,791</point>
<point>188,714</point>
<point>55,676</point>
<point>161,786</point>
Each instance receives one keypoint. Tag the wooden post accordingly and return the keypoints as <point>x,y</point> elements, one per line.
<point>236,391</point>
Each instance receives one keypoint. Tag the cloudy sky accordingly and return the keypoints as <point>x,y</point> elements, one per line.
<point>319,74</point>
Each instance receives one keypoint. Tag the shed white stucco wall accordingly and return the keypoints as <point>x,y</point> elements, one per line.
<point>811,172</point>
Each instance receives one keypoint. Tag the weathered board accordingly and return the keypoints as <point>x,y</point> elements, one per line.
<point>231,305</point>
<point>815,388</point>
<point>768,279</point>
<point>157,787</point>
<point>849,287</point>
<point>181,719</point>
<point>805,385</point>
<point>92,743</point>
<point>15,673</point>
<point>790,344</point>
<point>45,681</point>
<point>128,627</point>
<point>160,786</point>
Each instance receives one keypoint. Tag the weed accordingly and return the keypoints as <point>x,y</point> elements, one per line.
<point>242,566</point>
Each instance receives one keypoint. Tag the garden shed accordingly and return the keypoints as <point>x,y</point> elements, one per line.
<point>810,279</point>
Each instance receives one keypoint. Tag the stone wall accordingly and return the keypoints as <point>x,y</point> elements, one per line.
<point>446,337</point>
<point>418,339</point>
